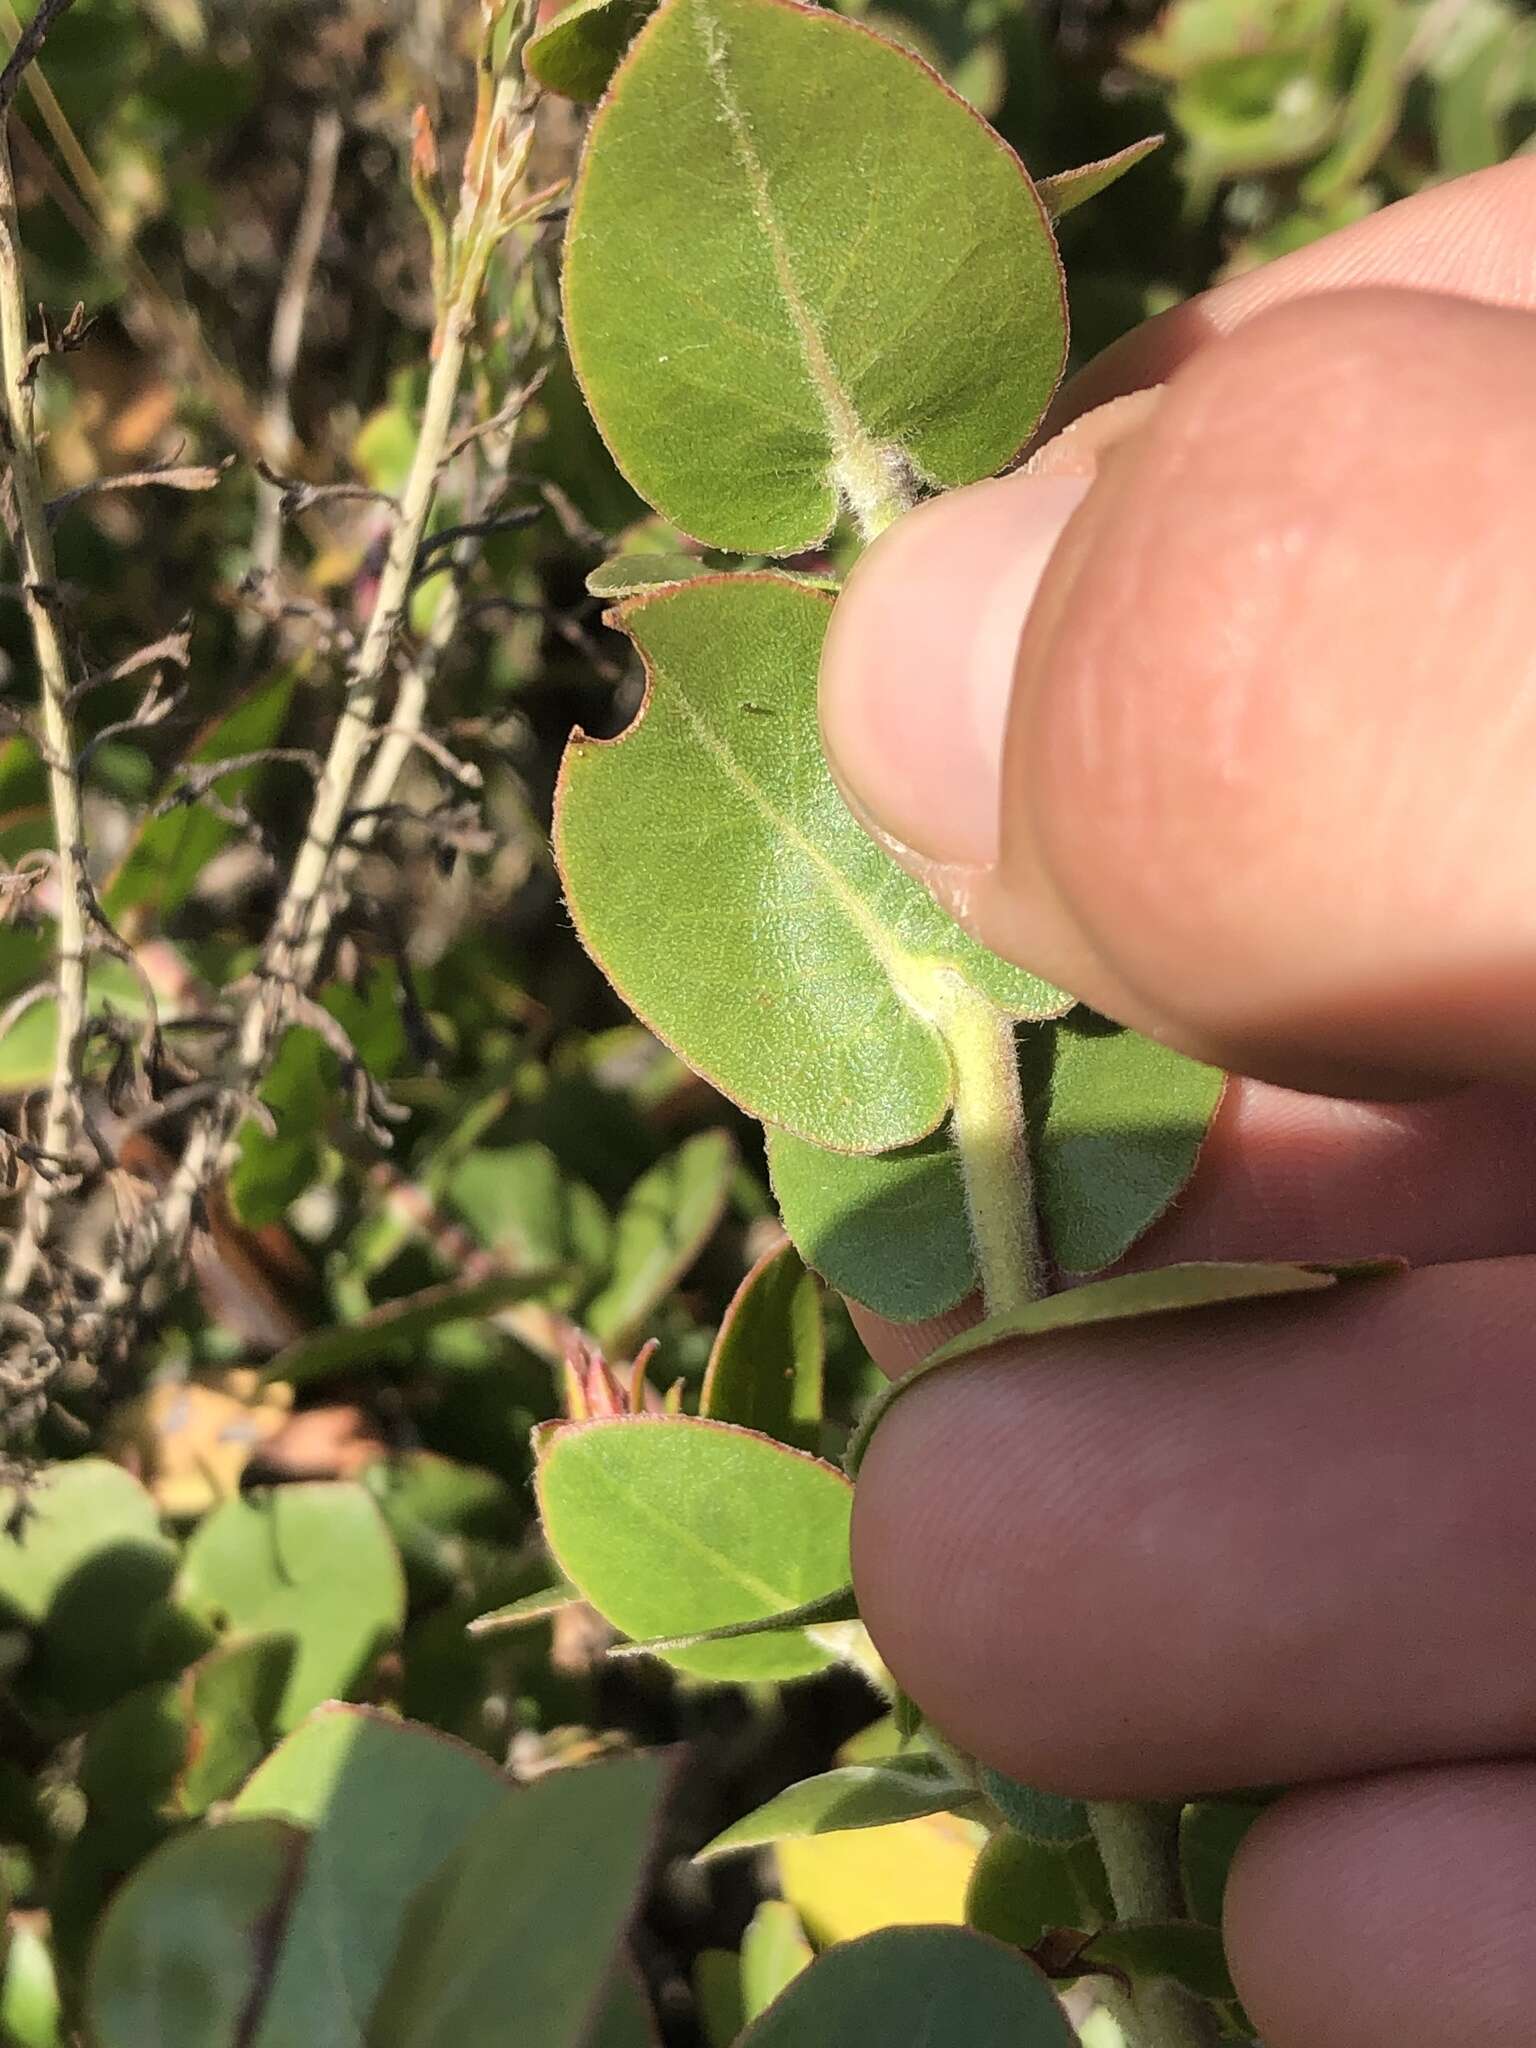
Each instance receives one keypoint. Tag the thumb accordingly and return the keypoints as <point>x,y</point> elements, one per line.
<point>1223,715</point>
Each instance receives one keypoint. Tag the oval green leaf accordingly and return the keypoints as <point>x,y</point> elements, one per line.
<point>718,878</point>
<point>314,1562</point>
<point>857,1796</point>
<point>765,1370</point>
<point>1020,1890</point>
<point>911,1987</point>
<point>577,53</point>
<point>1043,1817</point>
<point>388,1803</point>
<point>179,1957</point>
<point>802,275</point>
<point>515,1939</point>
<point>671,1526</point>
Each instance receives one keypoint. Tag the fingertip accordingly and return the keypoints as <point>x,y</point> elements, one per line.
<point>918,669</point>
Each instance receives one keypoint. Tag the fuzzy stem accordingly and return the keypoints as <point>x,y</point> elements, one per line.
<point>33,544</point>
<point>990,1133</point>
<point>1139,1845</point>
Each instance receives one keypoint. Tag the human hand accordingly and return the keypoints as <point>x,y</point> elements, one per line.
<point>1259,776</point>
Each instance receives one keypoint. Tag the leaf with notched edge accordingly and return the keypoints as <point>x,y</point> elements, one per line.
<point>716,874</point>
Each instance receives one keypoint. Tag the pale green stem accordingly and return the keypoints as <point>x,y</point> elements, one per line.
<point>990,1131</point>
<point>1139,1845</point>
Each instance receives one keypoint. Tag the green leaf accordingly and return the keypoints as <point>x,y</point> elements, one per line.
<point>830,1609</point>
<point>1043,1817</point>
<point>857,1796</point>
<point>717,1996</point>
<point>629,575</point>
<point>765,1370</point>
<point>1117,1122</point>
<point>719,879</point>
<point>276,1165</point>
<point>670,1526</point>
<point>178,1958</point>
<point>169,1751</point>
<point>30,2015</point>
<point>312,1561</point>
<point>774,1950</point>
<point>577,53</point>
<point>1170,1291</point>
<point>666,1219</point>
<point>1190,1955</point>
<point>89,1576</point>
<point>540,1606</point>
<point>523,1925</point>
<point>389,1803</point>
<point>162,866</point>
<point>911,1987</point>
<point>1068,190</point>
<point>520,1202</point>
<point>395,1326</point>
<point>888,1230</point>
<point>800,274</point>
<point>1020,1890</point>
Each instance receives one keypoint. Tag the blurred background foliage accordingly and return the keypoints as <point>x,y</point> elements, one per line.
<point>314,1471</point>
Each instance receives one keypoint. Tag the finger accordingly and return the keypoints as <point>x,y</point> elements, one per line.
<point>1394,1913</point>
<point>1289,1176</point>
<point>1259,778</point>
<point>1470,238</point>
<point>1220,1549</point>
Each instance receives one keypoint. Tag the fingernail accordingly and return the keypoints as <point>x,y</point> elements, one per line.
<point>919,664</point>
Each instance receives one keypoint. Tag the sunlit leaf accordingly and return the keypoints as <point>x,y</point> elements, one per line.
<point>312,1561</point>
<point>522,1203</point>
<point>774,1951</point>
<point>777,306</point>
<point>857,1796</point>
<point>89,1575</point>
<point>531,1608</point>
<point>718,877</point>
<point>840,1605</point>
<point>670,1526</point>
<point>1068,190</point>
<point>910,1987</point>
<point>765,1370</point>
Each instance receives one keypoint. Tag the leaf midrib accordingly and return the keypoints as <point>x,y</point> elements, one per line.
<point>856,455</point>
<point>638,1507</point>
